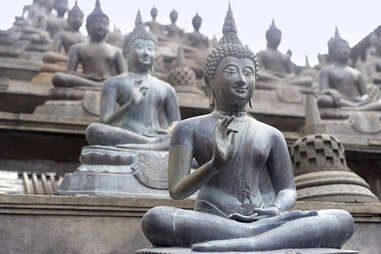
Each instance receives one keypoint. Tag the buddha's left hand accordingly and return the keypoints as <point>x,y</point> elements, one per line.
<point>270,211</point>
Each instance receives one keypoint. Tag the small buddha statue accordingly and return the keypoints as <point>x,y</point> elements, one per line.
<point>245,180</point>
<point>155,27</point>
<point>197,39</point>
<point>147,105</point>
<point>56,24</point>
<point>99,59</point>
<point>173,32</point>
<point>276,66</point>
<point>340,85</point>
<point>65,39</point>
<point>33,11</point>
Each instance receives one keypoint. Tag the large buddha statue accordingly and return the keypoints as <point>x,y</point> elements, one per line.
<point>245,181</point>
<point>342,86</point>
<point>277,67</point>
<point>65,39</point>
<point>147,105</point>
<point>99,59</point>
<point>196,39</point>
<point>58,23</point>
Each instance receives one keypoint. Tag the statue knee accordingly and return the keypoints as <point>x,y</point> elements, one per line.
<point>157,226</point>
<point>58,80</point>
<point>94,134</point>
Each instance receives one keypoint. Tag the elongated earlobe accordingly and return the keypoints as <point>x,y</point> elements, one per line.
<point>250,104</point>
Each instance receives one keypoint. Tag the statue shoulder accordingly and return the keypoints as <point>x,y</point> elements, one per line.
<point>266,130</point>
<point>168,87</point>
<point>113,82</point>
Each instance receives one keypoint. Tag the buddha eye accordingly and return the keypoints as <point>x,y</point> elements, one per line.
<point>230,70</point>
<point>248,72</point>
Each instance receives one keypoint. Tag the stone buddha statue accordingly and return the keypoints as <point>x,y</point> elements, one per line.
<point>277,67</point>
<point>155,27</point>
<point>340,85</point>
<point>56,24</point>
<point>99,59</point>
<point>197,39</point>
<point>65,39</point>
<point>34,11</point>
<point>147,105</point>
<point>173,32</point>
<point>245,181</point>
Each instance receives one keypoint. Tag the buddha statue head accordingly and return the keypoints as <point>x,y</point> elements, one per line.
<point>139,47</point>
<point>173,16</point>
<point>154,13</point>
<point>231,69</point>
<point>61,7</point>
<point>48,4</point>
<point>97,23</point>
<point>196,22</point>
<point>273,36</point>
<point>338,48</point>
<point>75,17</point>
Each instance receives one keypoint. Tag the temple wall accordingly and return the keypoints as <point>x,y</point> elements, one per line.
<point>100,225</point>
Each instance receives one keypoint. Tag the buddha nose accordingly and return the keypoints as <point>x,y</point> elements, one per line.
<point>241,80</point>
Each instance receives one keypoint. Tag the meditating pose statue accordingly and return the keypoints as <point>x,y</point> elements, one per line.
<point>147,105</point>
<point>196,38</point>
<point>99,59</point>
<point>276,66</point>
<point>65,39</point>
<point>56,24</point>
<point>342,86</point>
<point>245,180</point>
<point>155,27</point>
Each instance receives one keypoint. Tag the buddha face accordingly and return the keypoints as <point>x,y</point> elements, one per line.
<point>341,52</point>
<point>273,38</point>
<point>98,28</point>
<point>75,20</point>
<point>142,54</point>
<point>233,83</point>
<point>61,7</point>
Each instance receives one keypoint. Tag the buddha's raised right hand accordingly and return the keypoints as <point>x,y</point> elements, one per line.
<point>224,142</point>
<point>139,90</point>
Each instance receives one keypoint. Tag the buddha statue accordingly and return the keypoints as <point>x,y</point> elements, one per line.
<point>147,105</point>
<point>56,24</point>
<point>155,27</point>
<point>34,11</point>
<point>340,85</point>
<point>173,32</point>
<point>197,39</point>
<point>245,180</point>
<point>277,67</point>
<point>65,39</point>
<point>99,59</point>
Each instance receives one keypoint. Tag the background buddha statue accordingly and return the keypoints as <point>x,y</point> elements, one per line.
<point>341,85</point>
<point>155,27</point>
<point>276,66</point>
<point>99,59</point>
<point>147,105</point>
<point>197,39</point>
<point>245,181</point>
<point>173,32</point>
<point>58,23</point>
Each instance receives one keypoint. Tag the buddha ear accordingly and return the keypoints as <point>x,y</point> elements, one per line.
<point>250,104</point>
<point>211,99</point>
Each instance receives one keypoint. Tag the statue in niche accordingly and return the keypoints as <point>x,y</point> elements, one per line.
<point>277,67</point>
<point>155,27</point>
<point>245,183</point>
<point>65,39</point>
<point>99,59</point>
<point>56,24</point>
<point>197,39</point>
<point>147,105</point>
<point>340,85</point>
<point>34,12</point>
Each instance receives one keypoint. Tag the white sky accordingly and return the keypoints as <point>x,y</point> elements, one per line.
<point>307,25</point>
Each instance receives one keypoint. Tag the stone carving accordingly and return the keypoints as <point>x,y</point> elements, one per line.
<point>132,158</point>
<point>173,32</point>
<point>277,67</point>
<point>155,27</point>
<point>245,180</point>
<point>197,39</point>
<point>56,24</point>
<point>320,166</point>
<point>340,85</point>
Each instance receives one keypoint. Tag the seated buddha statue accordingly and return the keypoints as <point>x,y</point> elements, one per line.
<point>197,39</point>
<point>245,182</point>
<point>65,39</point>
<point>277,67</point>
<point>173,32</point>
<point>340,85</point>
<point>99,59</point>
<point>34,11</point>
<point>155,27</point>
<point>56,24</point>
<point>147,105</point>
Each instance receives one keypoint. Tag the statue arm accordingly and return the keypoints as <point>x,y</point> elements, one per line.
<point>73,62</point>
<point>58,43</point>
<point>324,80</point>
<point>171,107</point>
<point>108,101</point>
<point>281,171</point>
<point>120,65</point>
<point>362,86</point>
<point>182,183</point>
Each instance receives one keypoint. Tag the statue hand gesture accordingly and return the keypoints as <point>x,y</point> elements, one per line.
<point>139,90</point>
<point>224,142</point>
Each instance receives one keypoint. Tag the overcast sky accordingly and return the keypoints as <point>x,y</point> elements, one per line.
<point>307,25</point>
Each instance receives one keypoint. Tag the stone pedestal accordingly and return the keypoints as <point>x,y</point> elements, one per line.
<point>285,251</point>
<point>114,171</point>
